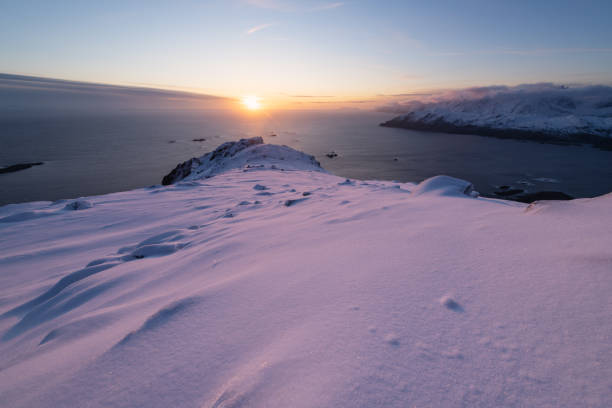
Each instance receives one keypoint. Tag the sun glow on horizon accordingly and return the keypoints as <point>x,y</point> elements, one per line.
<point>251,102</point>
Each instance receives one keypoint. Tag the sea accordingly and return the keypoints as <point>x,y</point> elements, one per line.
<point>104,152</point>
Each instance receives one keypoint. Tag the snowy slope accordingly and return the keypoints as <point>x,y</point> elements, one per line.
<point>542,110</point>
<point>262,287</point>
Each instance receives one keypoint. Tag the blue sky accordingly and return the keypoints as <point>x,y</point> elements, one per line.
<point>287,50</point>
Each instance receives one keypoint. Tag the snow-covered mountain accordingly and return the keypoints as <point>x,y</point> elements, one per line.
<point>260,280</point>
<point>543,111</point>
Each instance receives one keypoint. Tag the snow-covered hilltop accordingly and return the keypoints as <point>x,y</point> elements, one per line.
<point>545,112</point>
<point>245,153</point>
<point>273,283</point>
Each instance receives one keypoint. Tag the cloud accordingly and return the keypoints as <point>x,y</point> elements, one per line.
<point>345,101</point>
<point>309,96</point>
<point>408,94</point>
<point>27,93</point>
<point>257,28</point>
<point>530,96</point>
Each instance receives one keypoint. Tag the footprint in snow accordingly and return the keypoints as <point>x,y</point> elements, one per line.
<point>289,203</point>
<point>451,304</point>
<point>431,353</point>
<point>392,339</point>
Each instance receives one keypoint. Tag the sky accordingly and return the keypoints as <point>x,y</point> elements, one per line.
<point>309,53</point>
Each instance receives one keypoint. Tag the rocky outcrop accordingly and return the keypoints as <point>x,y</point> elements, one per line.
<point>248,154</point>
<point>180,171</point>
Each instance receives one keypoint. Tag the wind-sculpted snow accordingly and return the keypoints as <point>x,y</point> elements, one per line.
<point>445,185</point>
<point>291,287</point>
<point>542,111</point>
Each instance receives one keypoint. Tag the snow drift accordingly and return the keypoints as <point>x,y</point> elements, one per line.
<point>541,111</point>
<point>272,283</point>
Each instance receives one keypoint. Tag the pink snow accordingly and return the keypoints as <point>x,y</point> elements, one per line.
<point>213,293</point>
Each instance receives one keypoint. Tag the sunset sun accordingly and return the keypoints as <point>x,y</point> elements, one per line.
<point>251,102</point>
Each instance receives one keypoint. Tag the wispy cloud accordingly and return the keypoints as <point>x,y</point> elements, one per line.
<point>309,96</point>
<point>402,95</point>
<point>257,28</point>
<point>345,101</point>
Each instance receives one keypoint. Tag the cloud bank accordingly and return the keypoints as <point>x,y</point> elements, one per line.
<point>565,99</point>
<point>20,93</point>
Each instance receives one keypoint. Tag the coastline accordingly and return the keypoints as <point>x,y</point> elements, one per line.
<point>440,125</point>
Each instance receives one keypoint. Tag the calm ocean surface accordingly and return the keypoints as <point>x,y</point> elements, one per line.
<point>95,154</point>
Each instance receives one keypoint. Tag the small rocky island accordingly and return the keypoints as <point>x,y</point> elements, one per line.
<point>18,167</point>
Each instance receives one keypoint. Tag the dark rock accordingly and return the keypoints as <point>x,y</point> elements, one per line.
<point>504,187</point>
<point>347,182</point>
<point>510,192</point>
<point>542,195</point>
<point>199,140</point>
<point>332,154</point>
<point>231,148</point>
<point>18,167</point>
<point>180,172</point>
<point>78,205</point>
<point>306,193</point>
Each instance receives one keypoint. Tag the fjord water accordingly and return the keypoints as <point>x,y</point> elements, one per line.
<point>108,152</point>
